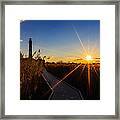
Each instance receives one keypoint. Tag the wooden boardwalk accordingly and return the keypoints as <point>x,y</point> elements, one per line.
<point>61,91</point>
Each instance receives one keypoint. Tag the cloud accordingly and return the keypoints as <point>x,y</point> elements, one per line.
<point>21,40</point>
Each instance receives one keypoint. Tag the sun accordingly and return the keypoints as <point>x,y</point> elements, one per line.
<point>88,57</point>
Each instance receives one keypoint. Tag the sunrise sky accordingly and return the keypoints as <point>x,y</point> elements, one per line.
<point>66,40</point>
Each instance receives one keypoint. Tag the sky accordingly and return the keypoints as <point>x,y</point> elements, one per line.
<point>61,39</point>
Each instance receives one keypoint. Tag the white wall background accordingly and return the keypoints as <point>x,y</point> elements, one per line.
<point>0,49</point>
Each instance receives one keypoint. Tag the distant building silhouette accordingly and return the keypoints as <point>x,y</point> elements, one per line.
<point>30,47</point>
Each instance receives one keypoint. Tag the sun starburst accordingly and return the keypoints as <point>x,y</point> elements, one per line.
<point>88,57</point>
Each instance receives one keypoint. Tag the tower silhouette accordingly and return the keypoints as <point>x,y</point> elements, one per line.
<point>30,47</point>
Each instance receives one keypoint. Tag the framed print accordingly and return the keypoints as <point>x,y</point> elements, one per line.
<point>60,60</point>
